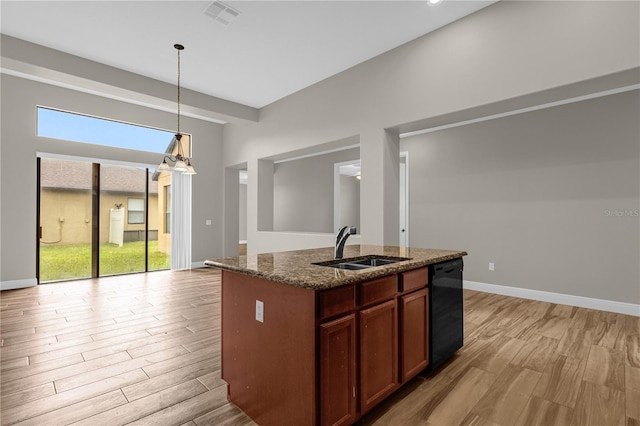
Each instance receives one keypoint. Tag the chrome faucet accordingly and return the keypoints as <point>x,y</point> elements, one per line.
<point>341,239</point>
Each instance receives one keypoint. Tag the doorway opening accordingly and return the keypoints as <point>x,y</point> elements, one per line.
<point>242,213</point>
<point>404,199</point>
<point>346,194</point>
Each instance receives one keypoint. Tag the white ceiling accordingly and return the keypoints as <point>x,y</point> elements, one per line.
<point>273,49</point>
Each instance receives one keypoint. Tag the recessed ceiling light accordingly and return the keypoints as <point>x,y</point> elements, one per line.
<point>434,2</point>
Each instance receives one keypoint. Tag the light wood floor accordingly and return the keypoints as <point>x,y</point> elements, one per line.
<point>145,349</point>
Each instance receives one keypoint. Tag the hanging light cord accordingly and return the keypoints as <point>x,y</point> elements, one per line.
<point>179,159</point>
<point>179,49</point>
<point>180,154</point>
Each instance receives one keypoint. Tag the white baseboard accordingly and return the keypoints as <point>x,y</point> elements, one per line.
<point>15,284</point>
<point>562,299</point>
<point>196,265</point>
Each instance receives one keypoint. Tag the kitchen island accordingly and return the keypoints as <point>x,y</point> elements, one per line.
<point>305,342</point>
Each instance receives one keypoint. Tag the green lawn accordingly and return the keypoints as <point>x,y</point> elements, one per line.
<point>72,261</point>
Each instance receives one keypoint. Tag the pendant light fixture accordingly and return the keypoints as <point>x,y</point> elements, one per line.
<point>181,163</point>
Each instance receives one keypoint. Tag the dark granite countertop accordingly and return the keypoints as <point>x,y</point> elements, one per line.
<point>297,267</point>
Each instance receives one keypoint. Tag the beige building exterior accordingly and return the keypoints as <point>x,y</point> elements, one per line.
<point>163,212</point>
<point>65,201</point>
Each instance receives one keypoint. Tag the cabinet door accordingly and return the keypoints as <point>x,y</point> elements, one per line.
<point>378,353</point>
<point>338,371</point>
<point>414,346</point>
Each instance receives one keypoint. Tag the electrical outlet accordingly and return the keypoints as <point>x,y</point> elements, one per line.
<point>208,222</point>
<point>492,266</point>
<point>259,310</point>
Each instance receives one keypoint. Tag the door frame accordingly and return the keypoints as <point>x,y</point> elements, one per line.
<point>95,207</point>
<point>404,206</point>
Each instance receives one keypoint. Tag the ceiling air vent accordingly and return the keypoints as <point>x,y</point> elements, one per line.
<point>221,12</point>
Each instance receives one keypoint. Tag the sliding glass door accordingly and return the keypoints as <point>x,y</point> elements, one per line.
<point>65,218</point>
<point>98,219</point>
<point>123,219</point>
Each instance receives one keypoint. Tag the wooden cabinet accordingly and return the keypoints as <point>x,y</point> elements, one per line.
<point>343,350</point>
<point>270,366</point>
<point>378,353</point>
<point>378,290</point>
<point>373,338</point>
<point>337,301</point>
<point>338,371</point>
<point>414,279</point>
<point>414,324</point>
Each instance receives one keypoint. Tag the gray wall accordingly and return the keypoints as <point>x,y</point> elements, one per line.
<point>537,194</point>
<point>498,53</point>
<point>493,61</point>
<point>350,201</point>
<point>19,145</point>
<point>496,60</point>
<point>303,192</point>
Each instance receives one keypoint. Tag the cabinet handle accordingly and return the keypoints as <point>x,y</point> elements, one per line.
<point>354,391</point>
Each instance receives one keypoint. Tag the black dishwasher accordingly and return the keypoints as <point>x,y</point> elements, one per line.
<point>446,332</point>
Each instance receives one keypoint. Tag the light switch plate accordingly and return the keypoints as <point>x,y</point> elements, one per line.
<point>208,222</point>
<point>259,310</point>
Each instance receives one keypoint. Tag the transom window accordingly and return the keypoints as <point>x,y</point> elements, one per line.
<point>76,127</point>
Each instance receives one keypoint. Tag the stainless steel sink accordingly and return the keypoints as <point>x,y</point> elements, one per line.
<point>359,263</point>
<point>376,261</point>
<point>350,266</point>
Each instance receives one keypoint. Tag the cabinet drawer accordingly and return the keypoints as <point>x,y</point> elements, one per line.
<point>337,301</point>
<point>380,289</point>
<point>412,280</point>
